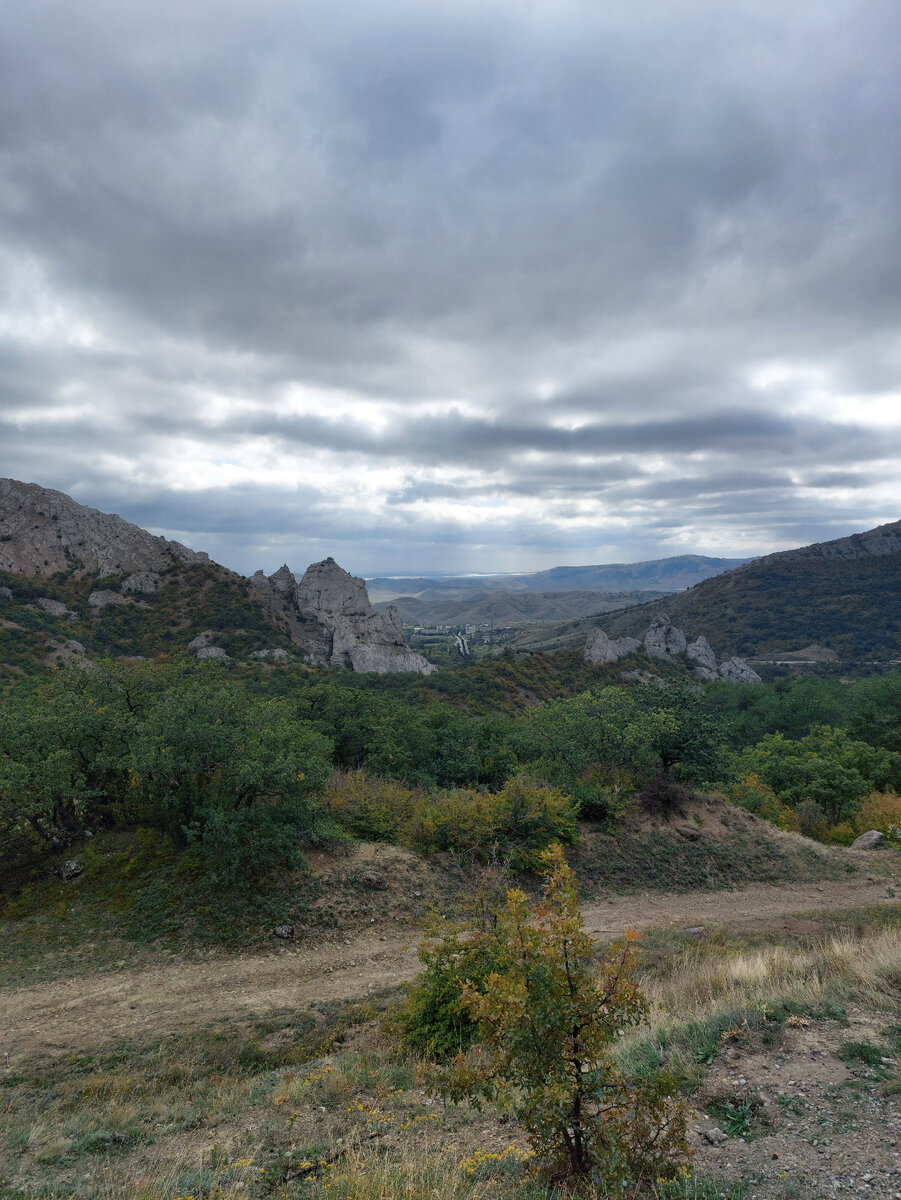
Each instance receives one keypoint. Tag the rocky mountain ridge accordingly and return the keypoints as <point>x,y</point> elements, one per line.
<point>44,532</point>
<point>46,535</point>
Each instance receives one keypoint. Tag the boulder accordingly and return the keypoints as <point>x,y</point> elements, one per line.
<point>145,582</point>
<point>55,608</point>
<point>736,670</point>
<point>214,652</point>
<point>71,869</point>
<point>278,654</point>
<point>202,640</point>
<point>75,647</point>
<point>285,932</point>
<point>663,639</point>
<point>5,593</point>
<point>702,658</point>
<point>871,840</point>
<point>99,600</point>
<point>601,649</point>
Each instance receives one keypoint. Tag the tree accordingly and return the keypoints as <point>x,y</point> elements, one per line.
<point>549,1015</point>
<point>230,775</point>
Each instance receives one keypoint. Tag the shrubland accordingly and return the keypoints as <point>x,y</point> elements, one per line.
<point>242,768</point>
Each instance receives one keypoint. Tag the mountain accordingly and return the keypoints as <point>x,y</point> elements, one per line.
<point>505,609</point>
<point>839,597</point>
<point>43,533</point>
<point>75,581</point>
<point>655,575</point>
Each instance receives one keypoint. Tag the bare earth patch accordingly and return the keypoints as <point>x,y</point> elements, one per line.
<point>66,1014</point>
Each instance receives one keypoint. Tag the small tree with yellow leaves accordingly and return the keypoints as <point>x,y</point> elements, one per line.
<point>549,1016</point>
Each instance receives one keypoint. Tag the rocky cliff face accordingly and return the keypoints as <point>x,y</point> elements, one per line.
<point>330,616</point>
<point>43,532</point>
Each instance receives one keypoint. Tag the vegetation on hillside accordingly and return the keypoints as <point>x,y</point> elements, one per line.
<point>244,767</point>
<point>785,603</point>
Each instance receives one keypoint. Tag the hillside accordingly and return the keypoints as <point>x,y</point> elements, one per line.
<point>502,608</point>
<point>840,595</point>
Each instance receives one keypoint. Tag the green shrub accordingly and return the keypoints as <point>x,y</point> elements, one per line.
<point>549,1017</point>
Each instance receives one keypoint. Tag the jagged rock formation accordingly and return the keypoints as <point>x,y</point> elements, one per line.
<point>329,615</point>
<point>43,532</point>
<point>702,658</point>
<point>601,649</point>
<point>664,640</point>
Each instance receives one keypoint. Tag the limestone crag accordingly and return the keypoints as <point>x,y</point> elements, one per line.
<point>601,649</point>
<point>329,615</point>
<point>663,640</point>
<point>702,658</point>
<point>43,532</point>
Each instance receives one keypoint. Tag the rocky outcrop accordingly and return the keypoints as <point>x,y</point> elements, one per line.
<point>102,599</point>
<point>5,593</point>
<point>601,649</point>
<point>663,639</point>
<point>43,532</point>
<point>329,615</point>
<point>871,840</point>
<point>736,670</point>
<point>702,658</point>
<point>145,582</point>
<point>277,655</point>
<point>213,652</point>
<point>55,608</point>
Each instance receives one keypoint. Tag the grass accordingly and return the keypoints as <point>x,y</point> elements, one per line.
<point>321,1104</point>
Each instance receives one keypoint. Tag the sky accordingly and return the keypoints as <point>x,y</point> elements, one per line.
<point>455,286</point>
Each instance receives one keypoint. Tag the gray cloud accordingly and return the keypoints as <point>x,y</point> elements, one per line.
<point>462,279</point>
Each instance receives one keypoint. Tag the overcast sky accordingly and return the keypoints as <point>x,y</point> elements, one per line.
<point>455,285</point>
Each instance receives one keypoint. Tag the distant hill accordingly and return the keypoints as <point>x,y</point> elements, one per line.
<point>841,595</point>
<point>505,609</point>
<point>655,575</point>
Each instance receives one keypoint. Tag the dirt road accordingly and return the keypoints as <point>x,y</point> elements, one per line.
<point>87,1011</point>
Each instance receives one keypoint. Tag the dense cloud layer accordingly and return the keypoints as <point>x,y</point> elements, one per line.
<point>461,286</point>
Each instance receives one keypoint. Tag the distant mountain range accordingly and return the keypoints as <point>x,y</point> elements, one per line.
<point>507,609</point>
<point>841,596</point>
<point>655,575</point>
<point>558,594</point>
